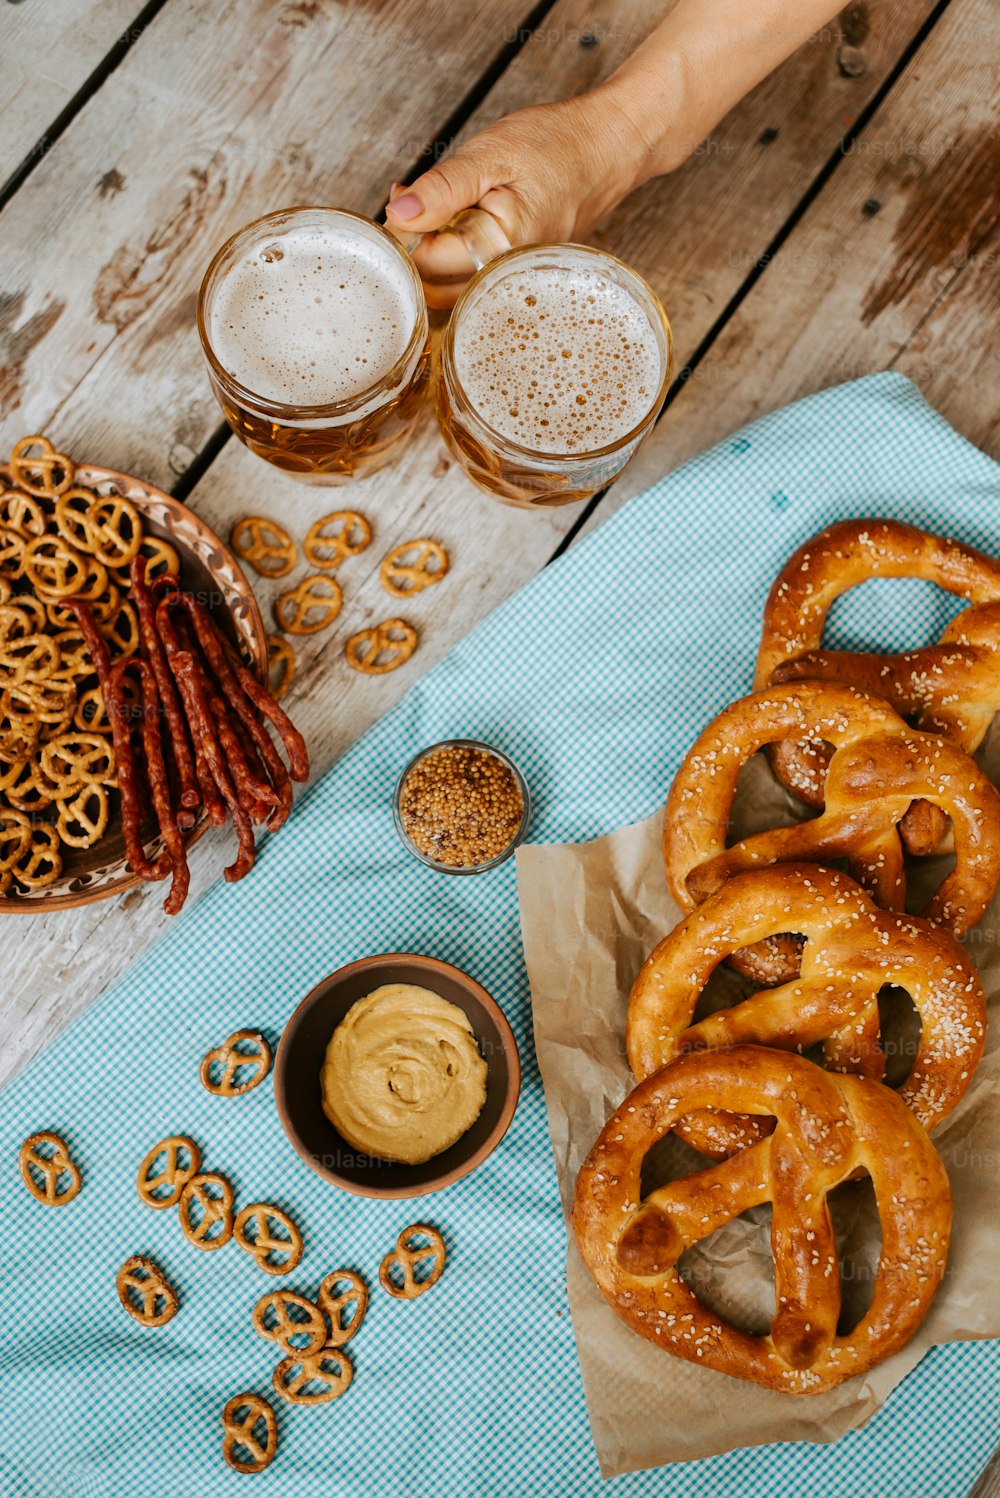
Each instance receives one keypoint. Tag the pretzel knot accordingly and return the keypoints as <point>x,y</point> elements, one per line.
<point>295,1323</point>
<point>205,1210</point>
<point>162,1187</point>
<point>413,566</point>
<point>951,688</point>
<point>265,544</point>
<point>827,1127</point>
<point>144,1292</point>
<point>342,1292</point>
<point>852,951</point>
<point>313,1377</point>
<point>38,469</point>
<point>879,766</point>
<point>310,606</point>
<point>335,537</point>
<point>236,1066</point>
<point>47,1170</point>
<point>381,648</point>
<point>249,1426</point>
<point>275,1253</point>
<point>408,1254</point>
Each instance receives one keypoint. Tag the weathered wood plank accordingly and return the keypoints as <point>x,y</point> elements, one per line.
<point>893,267</point>
<point>51,51</point>
<point>731,198</point>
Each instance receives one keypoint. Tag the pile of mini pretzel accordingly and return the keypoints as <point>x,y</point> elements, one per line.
<point>879,748</point>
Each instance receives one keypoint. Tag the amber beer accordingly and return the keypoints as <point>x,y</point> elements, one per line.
<point>314,326</point>
<point>554,368</point>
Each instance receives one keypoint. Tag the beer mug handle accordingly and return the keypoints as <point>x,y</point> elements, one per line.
<point>482,236</point>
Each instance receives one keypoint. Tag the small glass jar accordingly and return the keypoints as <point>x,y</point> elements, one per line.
<point>516,780</point>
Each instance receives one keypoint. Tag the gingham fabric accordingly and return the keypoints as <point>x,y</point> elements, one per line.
<point>595,678</point>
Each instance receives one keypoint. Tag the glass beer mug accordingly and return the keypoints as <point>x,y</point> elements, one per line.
<point>314,326</point>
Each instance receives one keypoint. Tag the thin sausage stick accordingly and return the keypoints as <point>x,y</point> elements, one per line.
<point>153,652</point>
<point>159,780</point>
<point>118,716</point>
<point>210,791</point>
<point>191,685</point>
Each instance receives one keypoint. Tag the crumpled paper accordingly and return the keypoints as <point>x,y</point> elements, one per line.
<point>590,914</point>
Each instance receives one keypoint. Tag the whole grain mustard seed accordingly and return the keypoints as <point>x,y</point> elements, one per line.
<point>461,807</point>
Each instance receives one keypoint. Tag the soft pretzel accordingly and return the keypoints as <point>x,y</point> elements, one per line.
<point>852,950</point>
<point>951,688</point>
<point>879,767</point>
<point>828,1127</point>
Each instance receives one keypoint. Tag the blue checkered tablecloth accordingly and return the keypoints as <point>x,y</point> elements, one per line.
<point>595,678</point>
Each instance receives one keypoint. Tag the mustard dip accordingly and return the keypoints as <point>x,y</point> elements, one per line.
<point>403,1078</point>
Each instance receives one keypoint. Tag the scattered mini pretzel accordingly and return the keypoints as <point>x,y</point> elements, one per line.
<point>383,647</point>
<point>272,1318</point>
<point>413,566</point>
<point>312,605</point>
<point>145,1293</point>
<point>243,1049</point>
<point>252,1231</point>
<point>22,513</point>
<point>241,1420</point>
<point>265,544</point>
<point>45,1154</point>
<point>214,1196</point>
<point>406,1257</point>
<point>38,469</point>
<point>280,665</point>
<point>329,1367</point>
<point>335,1301</point>
<point>41,865</point>
<point>182,1161</point>
<point>335,537</point>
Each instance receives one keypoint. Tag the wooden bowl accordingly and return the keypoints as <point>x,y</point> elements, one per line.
<point>300,1059</point>
<point>209,569</point>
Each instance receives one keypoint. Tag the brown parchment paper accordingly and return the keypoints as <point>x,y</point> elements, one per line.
<point>590,914</point>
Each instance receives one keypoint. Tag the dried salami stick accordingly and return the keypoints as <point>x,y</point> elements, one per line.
<point>118,716</point>
<point>159,782</point>
<point>153,652</point>
<point>190,683</point>
<point>239,684</point>
<point>210,791</point>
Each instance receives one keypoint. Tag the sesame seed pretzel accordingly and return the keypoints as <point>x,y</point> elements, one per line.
<point>827,1127</point>
<point>852,950</point>
<point>241,1420</point>
<point>879,766</point>
<point>253,1232</point>
<point>951,688</point>
<point>144,1293</point>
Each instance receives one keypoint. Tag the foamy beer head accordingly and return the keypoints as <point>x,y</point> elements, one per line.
<point>314,326</point>
<point>562,354</point>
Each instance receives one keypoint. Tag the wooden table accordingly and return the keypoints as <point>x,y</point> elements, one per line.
<point>844,219</point>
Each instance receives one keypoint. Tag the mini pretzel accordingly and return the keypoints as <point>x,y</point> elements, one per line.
<point>879,767</point>
<point>54,567</point>
<point>12,548</point>
<point>413,566</point>
<point>406,1256</point>
<point>78,758</point>
<point>828,1128</point>
<point>384,647</point>
<point>82,819</point>
<point>15,837</point>
<point>280,665</point>
<point>27,658</point>
<point>272,1318</point>
<point>41,865</point>
<point>214,1196</point>
<point>22,513</point>
<point>951,688</point>
<point>852,951</point>
<point>161,558</point>
<point>340,535</point>
<point>181,1162</point>
<point>144,1292</point>
<point>114,530</point>
<point>335,1300</point>
<point>45,1154</point>
<point>30,790</point>
<point>38,469</point>
<point>329,1367</point>
<point>241,1421</point>
<point>122,630</point>
<point>310,606</point>
<point>269,1252</point>
<point>243,1049</point>
<point>265,544</point>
